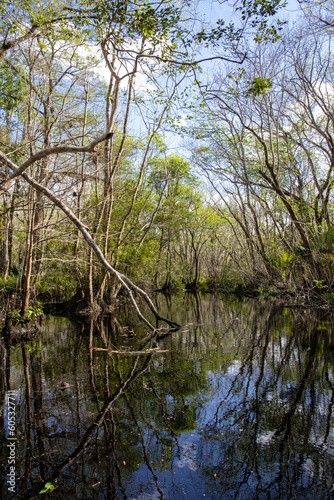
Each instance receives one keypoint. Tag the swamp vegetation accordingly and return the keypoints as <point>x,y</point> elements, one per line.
<point>166,182</point>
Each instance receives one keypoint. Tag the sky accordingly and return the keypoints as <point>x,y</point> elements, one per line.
<point>211,11</point>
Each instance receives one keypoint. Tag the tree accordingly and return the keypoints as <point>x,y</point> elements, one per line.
<point>268,139</point>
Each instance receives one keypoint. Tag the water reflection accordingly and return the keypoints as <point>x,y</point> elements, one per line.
<point>241,405</point>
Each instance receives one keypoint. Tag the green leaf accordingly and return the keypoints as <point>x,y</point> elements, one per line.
<point>47,488</point>
<point>258,86</point>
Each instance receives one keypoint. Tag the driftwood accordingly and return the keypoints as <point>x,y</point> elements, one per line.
<point>131,353</point>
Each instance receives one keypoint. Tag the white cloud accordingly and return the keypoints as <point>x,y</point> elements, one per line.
<point>122,66</point>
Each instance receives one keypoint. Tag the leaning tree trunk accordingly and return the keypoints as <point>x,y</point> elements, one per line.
<point>129,286</point>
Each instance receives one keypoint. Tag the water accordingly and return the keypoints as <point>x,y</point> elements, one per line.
<point>239,407</point>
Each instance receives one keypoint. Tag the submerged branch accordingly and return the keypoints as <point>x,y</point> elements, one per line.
<point>131,353</point>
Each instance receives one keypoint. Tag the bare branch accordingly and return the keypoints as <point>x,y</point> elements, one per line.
<point>17,171</point>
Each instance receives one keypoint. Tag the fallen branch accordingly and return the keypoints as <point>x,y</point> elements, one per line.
<point>131,353</point>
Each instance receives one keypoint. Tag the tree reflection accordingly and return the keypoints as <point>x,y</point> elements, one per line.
<point>272,413</point>
<point>241,406</point>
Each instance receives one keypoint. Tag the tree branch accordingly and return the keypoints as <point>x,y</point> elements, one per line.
<point>17,171</point>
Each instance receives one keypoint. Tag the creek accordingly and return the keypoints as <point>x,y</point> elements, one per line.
<point>237,404</point>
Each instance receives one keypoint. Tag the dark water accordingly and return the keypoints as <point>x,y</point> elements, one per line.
<point>240,407</point>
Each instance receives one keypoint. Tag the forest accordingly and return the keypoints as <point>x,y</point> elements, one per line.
<point>150,146</point>
<point>166,249</point>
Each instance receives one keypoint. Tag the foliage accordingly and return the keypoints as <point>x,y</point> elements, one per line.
<point>47,488</point>
<point>10,285</point>
<point>12,87</point>
<point>31,314</point>
<point>56,284</point>
<point>258,86</point>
